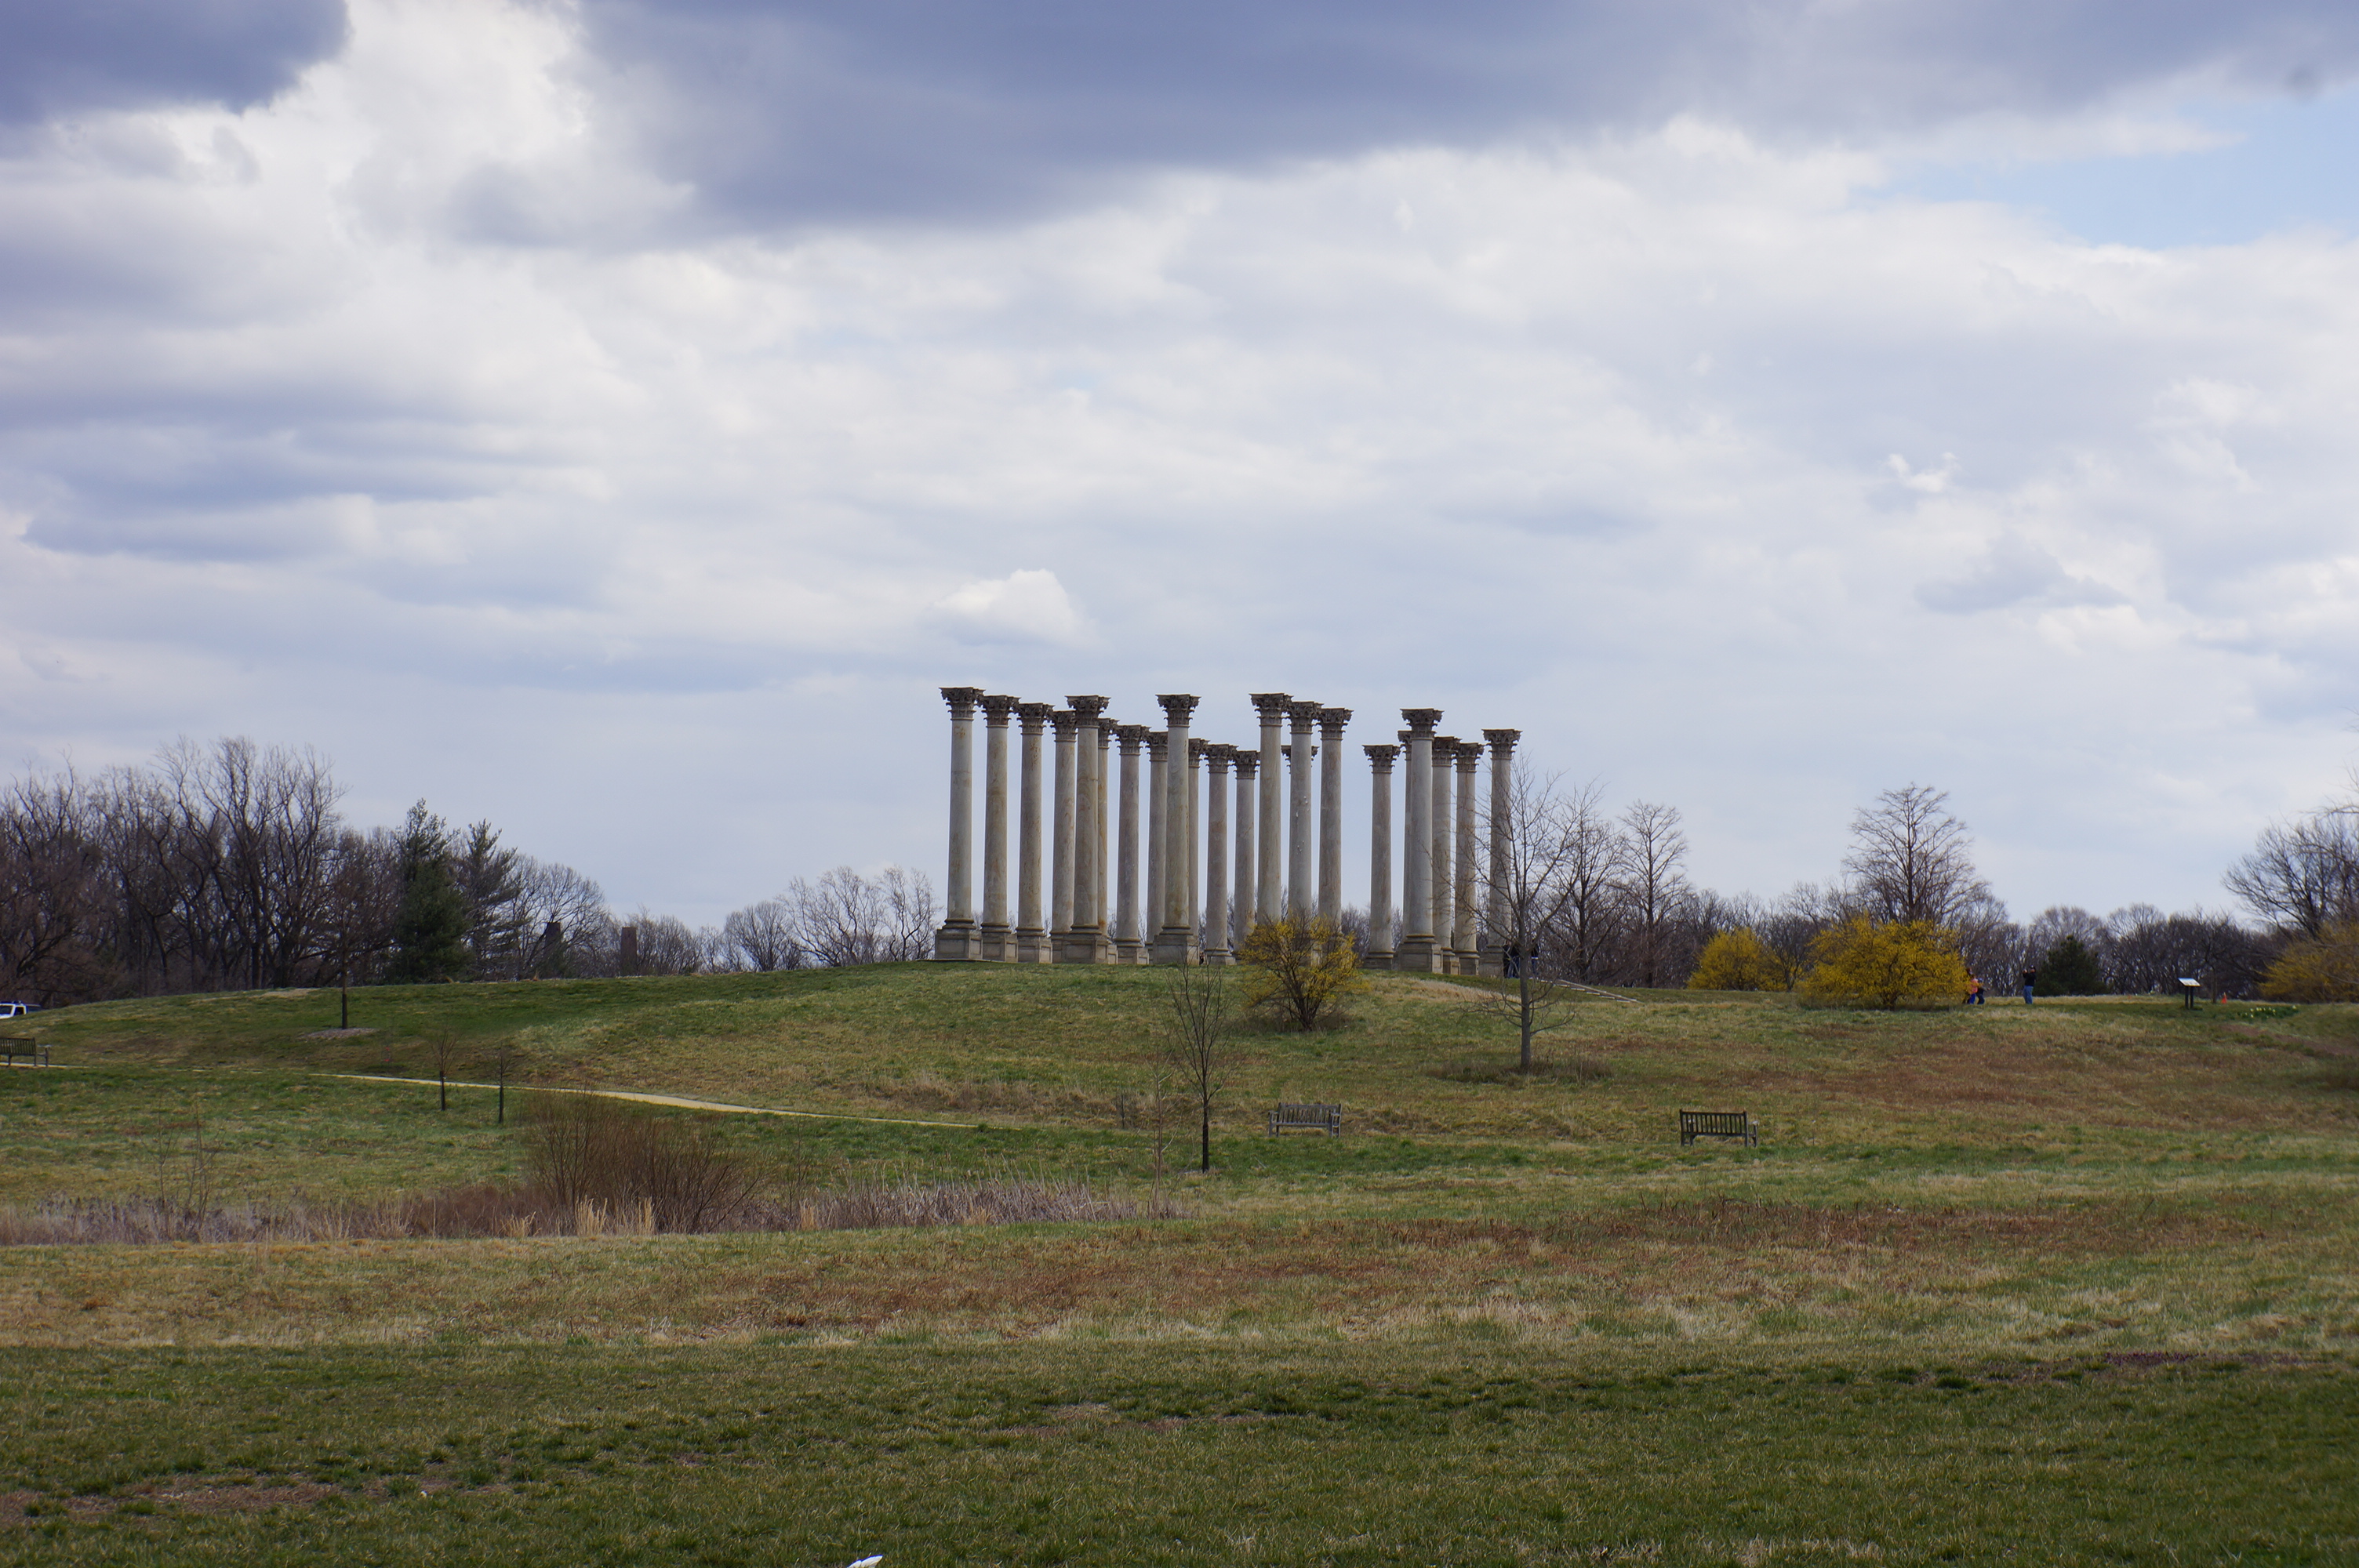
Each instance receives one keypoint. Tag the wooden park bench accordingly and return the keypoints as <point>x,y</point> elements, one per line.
<point>1736,1124</point>
<point>1326,1118</point>
<point>15,1045</point>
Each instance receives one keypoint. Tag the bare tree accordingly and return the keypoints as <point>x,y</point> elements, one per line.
<point>53,894</point>
<point>1588,924</point>
<point>445,1046</point>
<point>1652,885</point>
<point>2303,875</point>
<point>763,936</point>
<point>1196,1042</point>
<point>1910,860</point>
<point>846,918</point>
<point>1538,875</point>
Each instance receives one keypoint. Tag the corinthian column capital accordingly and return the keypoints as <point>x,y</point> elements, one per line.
<point>1177,706</point>
<point>996,710</point>
<point>1271,704</point>
<point>1131,737</point>
<point>961,699</point>
<point>1420,720</point>
<point>1502,741</point>
<point>1382,758</point>
<point>1088,707</point>
<point>1332,722</point>
<point>1034,716</point>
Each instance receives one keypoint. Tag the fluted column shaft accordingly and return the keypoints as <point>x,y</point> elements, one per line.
<point>1060,882</point>
<point>1503,826</point>
<point>1332,722</point>
<point>1241,899</point>
<point>1031,930</point>
<point>1415,949</point>
<point>1216,854</point>
<point>1445,838</point>
<point>1269,878</point>
<point>996,934</point>
<point>1175,939</point>
<point>1126,901</point>
<point>1196,839</point>
<point>1159,832</point>
<point>1085,935</point>
<point>1470,870</point>
<point>1301,824</point>
<point>1380,856</point>
<point>956,940</point>
<point>1105,840</point>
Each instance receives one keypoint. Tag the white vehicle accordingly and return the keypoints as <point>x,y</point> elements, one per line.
<point>17,1009</point>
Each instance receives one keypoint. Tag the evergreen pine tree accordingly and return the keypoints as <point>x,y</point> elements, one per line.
<point>2069,968</point>
<point>429,931</point>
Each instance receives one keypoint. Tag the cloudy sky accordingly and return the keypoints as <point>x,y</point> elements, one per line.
<point>617,419</point>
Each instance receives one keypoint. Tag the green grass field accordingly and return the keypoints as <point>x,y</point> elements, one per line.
<point>2076,1283</point>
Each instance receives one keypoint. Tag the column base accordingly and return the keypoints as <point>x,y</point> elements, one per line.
<point>1421,956</point>
<point>1493,962</point>
<point>1218,958</point>
<point>1174,945</point>
<point>1129,950</point>
<point>1032,946</point>
<point>1377,959</point>
<point>1085,946</point>
<point>957,942</point>
<point>1468,961</point>
<point>994,944</point>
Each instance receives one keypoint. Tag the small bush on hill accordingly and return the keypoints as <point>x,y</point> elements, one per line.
<point>1739,961</point>
<point>1898,963</point>
<point>2321,969</point>
<point>1299,972</point>
<point>2069,968</point>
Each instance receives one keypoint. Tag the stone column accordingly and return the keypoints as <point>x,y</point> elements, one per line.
<point>1417,949</point>
<point>1196,842</point>
<point>1216,856</point>
<point>957,938</point>
<point>1270,879</point>
<point>1158,838</point>
<point>1086,935</point>
<point>1175,937</point>
<point>1241,901</point>
<point>996,940</point>
<point>1380,857</point>
<point>1302,821</point>
<point>1502,824</point>
<point>1470,872</point>
<point>1106,727</point>
<point>1330,812</point>
<point>1060,880</point>
<point>1031,929</point>
<point>1445,838</point>
<point>1126,901</point>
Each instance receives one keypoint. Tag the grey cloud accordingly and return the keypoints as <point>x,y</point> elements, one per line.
<point>2015,571</point>
<point>59,57</point>
<point>822,110</point>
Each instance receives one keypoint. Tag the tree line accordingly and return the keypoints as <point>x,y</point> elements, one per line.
<point>232,867</point>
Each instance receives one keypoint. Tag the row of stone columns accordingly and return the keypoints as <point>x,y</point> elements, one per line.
<point>1212,865</point>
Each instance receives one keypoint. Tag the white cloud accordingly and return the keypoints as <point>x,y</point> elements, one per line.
<point>547,526</point>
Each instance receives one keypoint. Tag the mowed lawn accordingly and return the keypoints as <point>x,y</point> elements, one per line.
<point>2077,1281</point>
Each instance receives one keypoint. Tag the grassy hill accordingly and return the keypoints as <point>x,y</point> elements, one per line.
<point>1995,1257</point>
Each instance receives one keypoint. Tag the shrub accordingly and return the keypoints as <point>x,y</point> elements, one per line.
<point>585,1149</point>
<point>2321,969</point>
<point>1738,961</point>
<point>1300,971</point>
<point>1900,963</point>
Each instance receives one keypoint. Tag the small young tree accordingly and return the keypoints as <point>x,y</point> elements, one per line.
<point>1550,847</point>
<point>507,1057</point>
<point>1898,963</point>
<point>1196,1044</point>
<point>1300,971</point>
<point>445,1045</point>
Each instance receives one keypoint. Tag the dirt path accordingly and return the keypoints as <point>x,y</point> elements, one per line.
<point>679,1102</point>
